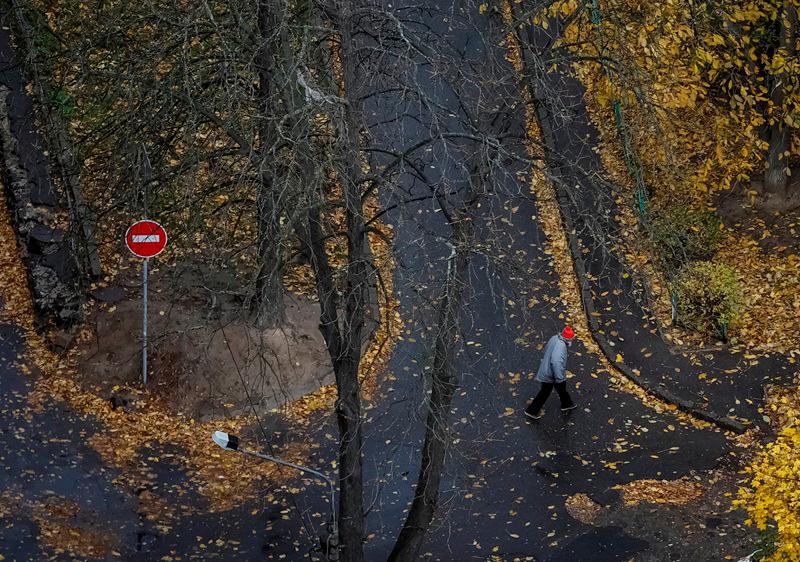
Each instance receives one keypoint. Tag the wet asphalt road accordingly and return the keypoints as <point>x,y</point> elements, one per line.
<point>507,478</point>
<point>44,458</point>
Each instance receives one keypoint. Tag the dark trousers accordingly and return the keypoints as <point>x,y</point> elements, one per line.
<point>544,393</point>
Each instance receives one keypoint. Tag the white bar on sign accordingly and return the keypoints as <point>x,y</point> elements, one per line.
<point>140,238</point>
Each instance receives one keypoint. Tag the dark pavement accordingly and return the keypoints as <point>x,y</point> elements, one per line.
<point>507,479</point>
<point>45,459</point>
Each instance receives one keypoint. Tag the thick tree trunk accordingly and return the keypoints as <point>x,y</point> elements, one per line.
<point>776,180</point>
<point>342,327</point>
<point>268,303</point>
<point>348,405</point>
<point>444,383</point>
<point>351,493</point>
<point>344,347</point>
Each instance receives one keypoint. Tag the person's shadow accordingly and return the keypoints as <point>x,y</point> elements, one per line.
<point>553,439</point>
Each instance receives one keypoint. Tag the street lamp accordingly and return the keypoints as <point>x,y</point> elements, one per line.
<point>231,443</point>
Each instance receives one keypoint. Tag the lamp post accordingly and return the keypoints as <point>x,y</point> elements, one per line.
<point>231,443</point>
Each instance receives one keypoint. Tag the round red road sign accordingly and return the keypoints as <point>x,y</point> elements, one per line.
<point>146,238</point>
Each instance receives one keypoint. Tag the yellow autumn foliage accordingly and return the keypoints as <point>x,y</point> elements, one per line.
<point>694,79</point>
<point>774,493</point>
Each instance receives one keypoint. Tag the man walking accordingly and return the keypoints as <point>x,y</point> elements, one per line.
<point>552,373</point>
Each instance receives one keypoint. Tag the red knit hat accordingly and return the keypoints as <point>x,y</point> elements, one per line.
<point>568,333</point>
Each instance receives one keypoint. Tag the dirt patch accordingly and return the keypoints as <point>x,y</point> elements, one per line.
<point>206,357</point>
<point>772,220</point>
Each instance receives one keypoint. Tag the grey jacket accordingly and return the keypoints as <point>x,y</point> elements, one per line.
<point>554,362</point>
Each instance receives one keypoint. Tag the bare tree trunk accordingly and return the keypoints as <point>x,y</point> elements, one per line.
<point>268,303</point>
<point>342,328</point>
<point>323,277</point>
<point>341,317</point>
<point>345,352</point>
<point>348,405</point>
<point>444,384</point>
<point>776,180</point>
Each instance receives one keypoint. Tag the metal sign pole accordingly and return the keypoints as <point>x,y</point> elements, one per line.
<point>145,239</point>
<point>144,325</point>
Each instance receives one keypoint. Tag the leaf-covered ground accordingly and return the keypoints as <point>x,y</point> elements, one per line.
<point>84,480</point>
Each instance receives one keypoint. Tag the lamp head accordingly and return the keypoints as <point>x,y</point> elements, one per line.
<point>225,441</point>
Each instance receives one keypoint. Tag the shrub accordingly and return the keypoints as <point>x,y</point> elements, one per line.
<point>682,234</point>
<point>772,496</point>
<point>708,296</point>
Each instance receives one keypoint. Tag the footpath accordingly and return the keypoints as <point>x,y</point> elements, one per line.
<point>723,386</point>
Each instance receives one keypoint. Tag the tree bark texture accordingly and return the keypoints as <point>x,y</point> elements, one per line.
<point>348,404</point>
<point>444,383</point>
<point>776,180</point>
<point>268,302</point>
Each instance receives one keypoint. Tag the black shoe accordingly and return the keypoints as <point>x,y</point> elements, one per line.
<point>568,408</point>
<point>534,416</point>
